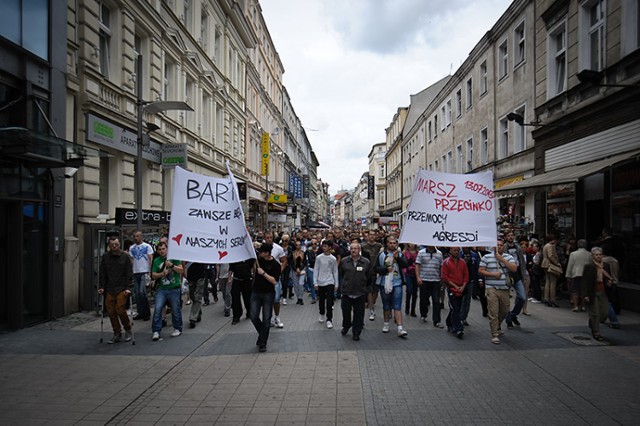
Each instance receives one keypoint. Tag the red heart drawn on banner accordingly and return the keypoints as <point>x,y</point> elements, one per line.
<point>177,238</point>
<point>222,254</point>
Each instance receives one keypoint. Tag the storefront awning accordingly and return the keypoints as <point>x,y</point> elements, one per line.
<point>42,150</point>
<point>569,174</point>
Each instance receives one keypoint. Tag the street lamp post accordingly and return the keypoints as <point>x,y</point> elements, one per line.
<point>152,108</point>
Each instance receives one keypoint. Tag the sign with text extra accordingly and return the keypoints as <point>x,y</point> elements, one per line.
<point>207,221</point>
<point>450,210</point>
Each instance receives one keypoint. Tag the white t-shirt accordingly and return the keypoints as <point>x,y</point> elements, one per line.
<point>140,254</point>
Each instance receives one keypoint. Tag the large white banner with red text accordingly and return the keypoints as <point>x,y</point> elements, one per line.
<point>207,223</point>
<point>448,209</point>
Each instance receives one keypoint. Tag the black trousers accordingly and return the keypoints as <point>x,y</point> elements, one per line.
<point>356,305</point>
<point>325,300</point>
<point>240,292</point>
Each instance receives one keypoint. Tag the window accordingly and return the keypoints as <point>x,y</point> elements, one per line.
<point>217,54</point>
<point>429,131</point>
<point>459,103</point>
<point>518,37</point>
<point>469,93</point>
<point>186,17</point>
<point>557,60</point>
<point>421,137</point>
<point>382,175</point>
<point>483,78</point>
<point>503,138</point>
<point>444,117</point>
<point>435,125</point>
<point>503,59</point>
<point>445,166</point>
<point>520,142</point>
<point>484,141</point>
<point>189,98</point>
<point>449,162</point>
<point>630,26</point>
<point>104,32</point>
<point>204,33</point>
<point>448,110</point>
<point>592,35</point>
<point>26,23</point>
<point>436,166</point>
<point>459,160</point>
<point>169,80</point>
<point>469,154</point>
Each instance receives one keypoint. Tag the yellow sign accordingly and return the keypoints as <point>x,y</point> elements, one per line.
<point>508,181</point>
<point>277,198</point>
<point>266,148</point>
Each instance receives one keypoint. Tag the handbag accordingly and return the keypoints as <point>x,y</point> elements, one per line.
<point>554,269</point>
<point>508,278</point>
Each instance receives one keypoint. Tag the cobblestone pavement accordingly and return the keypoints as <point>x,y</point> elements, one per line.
<point>548,371</point>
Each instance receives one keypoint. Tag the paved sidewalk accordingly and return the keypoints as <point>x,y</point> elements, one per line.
<point>549,371</point>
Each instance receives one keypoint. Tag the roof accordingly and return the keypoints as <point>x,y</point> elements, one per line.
<point>420,101</point>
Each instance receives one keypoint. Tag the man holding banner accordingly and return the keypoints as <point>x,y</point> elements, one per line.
<point>495,267</point>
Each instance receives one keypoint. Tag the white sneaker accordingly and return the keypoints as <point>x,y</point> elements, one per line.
<point>156,336</point>
<point>423,320</point>
<point>321,318</point>
<point>372,316</point>
<point>385,327</point>
<point>402,332</point>
<point>279,323</point>
<point>176,333</point>
<point>329,324</point>
<point>128,336</point>
<point>284,301</point>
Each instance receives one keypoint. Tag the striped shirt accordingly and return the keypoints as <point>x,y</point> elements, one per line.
<point>430,265</point>
<point>491,264</point>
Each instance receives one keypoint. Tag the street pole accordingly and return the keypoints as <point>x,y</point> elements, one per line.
<point>139,145</point>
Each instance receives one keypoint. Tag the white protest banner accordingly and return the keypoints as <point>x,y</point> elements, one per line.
<point>449,210</point>
<point>207,223</point>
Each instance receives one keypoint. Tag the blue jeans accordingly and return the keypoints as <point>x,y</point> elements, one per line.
<point>310,285</point>
<point>264,302</point>
<point>453,321</point>
<point>391,300</point>
<point>466,301</point>
<point>521,297</point>
<point>140,293</point>
<point>611,313</point>
<point>162,296</point>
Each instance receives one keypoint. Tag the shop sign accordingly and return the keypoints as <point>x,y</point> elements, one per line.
<point>174,154</point>
<point>266,148</point>
<point>149,217</point>
<point>107,134</point>
<point>277,198</point>
<point>504,182</point>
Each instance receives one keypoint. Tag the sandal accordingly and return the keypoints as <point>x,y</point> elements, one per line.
<point>598,337</point>
<point>188,302</point>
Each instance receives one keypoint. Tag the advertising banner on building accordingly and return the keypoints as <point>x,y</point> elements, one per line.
<point>448,210</point>
<point>266,152</point>
<point>305,186</point>
<point>371,187</point>
<point>108,134</point>
<point>207,223</point>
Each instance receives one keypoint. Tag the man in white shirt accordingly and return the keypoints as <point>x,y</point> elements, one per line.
<point>325,280</point>
<point>142,255</point>
<point>280,256</point>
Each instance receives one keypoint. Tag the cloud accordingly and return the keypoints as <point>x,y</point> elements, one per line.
<point>349,65</point>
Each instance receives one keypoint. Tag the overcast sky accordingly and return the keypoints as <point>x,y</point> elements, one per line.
<point>350,64</point>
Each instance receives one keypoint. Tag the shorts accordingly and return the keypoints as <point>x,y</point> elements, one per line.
<point>392,300</point>
<point>278,291</point>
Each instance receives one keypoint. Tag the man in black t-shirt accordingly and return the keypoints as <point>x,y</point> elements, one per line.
<point>264,293</point>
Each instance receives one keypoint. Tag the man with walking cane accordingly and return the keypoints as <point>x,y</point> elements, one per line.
<point>116,274</point>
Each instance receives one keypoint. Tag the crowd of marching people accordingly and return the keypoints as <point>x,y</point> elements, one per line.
<point>357,268</point>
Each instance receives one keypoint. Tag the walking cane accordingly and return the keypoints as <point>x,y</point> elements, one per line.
<point>133,337</point>
<point>102,316</point>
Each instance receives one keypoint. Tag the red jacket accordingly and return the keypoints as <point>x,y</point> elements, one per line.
<point>455,272</point>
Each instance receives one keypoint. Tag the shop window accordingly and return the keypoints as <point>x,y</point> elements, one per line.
<point>560,210</point>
